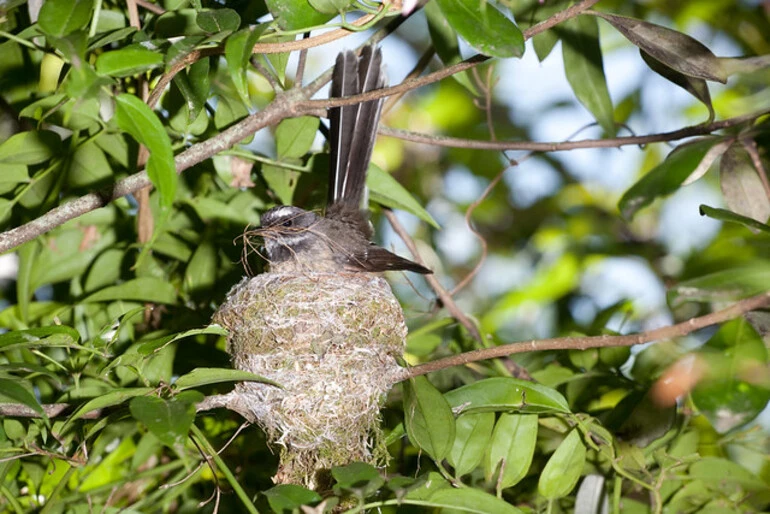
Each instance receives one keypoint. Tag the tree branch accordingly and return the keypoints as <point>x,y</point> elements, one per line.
<point>583,343</point>
<point>534,146</point>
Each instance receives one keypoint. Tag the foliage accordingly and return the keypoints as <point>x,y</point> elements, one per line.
<point>107,348</point>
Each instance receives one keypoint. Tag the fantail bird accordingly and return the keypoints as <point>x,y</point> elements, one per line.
<point>299,240</point>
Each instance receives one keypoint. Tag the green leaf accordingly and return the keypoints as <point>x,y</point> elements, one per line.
<point>741,185</point>
<point>31,147</point>
<point>201,272</point>
<point>15,391</point>
<point>205,376</point>
<point>294,136</point>
<point>290,497</point>
<point>110,399</point>
<point>507,394</point>
<point>218,20</point>
<point>386,190</point>
<point>152,346</point>
<point>471,439</point>
<point>485,28</point>
<point>281,181</point>
<point>296,15</point>
<point>731,394</point>
<point>136,118</point>
<point>330,6</point>
<point>511,449</point>
<point>467,499</point>
<point>685,160</point>
<point>674,49</point>
<point>34,337</point>
<point>695,86</point>
<point>726,476</point>
<point>724,286</point>
<point>238,48</point>
<point>429,421</point>
<point>180,22</point>
<point>143,289</point>
<point>61,17</point>
<point>725,215</point>
<point>88,166</point>
<point>359,477</point>
<point>127,62</point>
<point>169,420</point>
<point>445,42</point>
<point>563,469</point>
<point>584,67</point>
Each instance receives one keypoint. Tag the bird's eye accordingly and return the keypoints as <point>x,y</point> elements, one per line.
<point>287,223</point>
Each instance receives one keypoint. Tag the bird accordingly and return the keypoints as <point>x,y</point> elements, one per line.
<point>297,240</point>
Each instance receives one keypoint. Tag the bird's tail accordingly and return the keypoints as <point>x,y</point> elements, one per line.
<point>353,127</point>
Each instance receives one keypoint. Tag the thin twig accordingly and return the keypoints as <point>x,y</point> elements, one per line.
<point>254,60</point>
<point>534,146</point>
<point>301,64</point>
<point>422,63</point>
<point>155,9</point>
<point>443,294</point>
<point>583,343</point>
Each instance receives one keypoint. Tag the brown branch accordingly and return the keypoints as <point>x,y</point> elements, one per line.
<point>155,9</point>
<point>52,410</point>
<point>534,146</point>
<point>279,109</point>
<point>443,294</point>
<point>583,343</point>
<point>285,105</point>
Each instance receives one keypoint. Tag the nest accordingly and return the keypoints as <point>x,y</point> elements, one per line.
<point>332,342</point>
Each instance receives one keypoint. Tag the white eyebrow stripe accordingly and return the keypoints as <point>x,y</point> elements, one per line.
<point>287,210</point>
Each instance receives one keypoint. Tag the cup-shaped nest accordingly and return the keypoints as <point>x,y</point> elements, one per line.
<point>331,341</point>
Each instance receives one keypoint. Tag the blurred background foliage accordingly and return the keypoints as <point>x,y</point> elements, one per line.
<point>103,318</point>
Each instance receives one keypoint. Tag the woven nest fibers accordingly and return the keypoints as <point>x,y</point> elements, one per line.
<point>331,341</point>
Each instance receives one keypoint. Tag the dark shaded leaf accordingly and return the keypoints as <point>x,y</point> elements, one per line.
<point>359,477</point>
<point>697,87</point>
<point>741,186</point>
<point>169,420</point>
<point>686,160</point>
<point>674,49</point>
<point>13,390</point>
<point>290,497</point>
<point>725,215</point>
